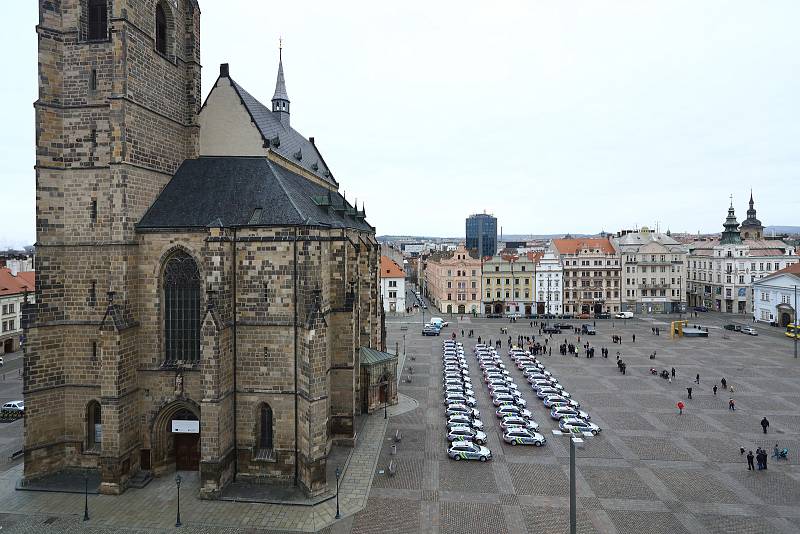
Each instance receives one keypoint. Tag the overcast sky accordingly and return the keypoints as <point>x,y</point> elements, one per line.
<point>555,116</point>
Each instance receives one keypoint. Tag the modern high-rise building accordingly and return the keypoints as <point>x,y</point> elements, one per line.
<point>482,234</point>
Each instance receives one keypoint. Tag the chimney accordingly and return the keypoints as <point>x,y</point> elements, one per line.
<point>224,72</point>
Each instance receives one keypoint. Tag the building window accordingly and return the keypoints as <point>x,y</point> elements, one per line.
<point>161,29</point>
<point>181,309</point>
<point>265,430</point>
<point>94,426</point>
<point>97,19</point>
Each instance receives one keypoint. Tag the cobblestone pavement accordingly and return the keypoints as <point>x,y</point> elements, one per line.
<point>650,470</point>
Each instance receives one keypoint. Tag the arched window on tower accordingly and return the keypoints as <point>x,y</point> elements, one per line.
<point>265,431</point>
<point>94,426</point>
<point>181,309</point>
<point>97,20</point>
<point>161,29</point>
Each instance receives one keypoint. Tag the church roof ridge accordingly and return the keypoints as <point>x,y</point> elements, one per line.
<point>280,137</point>
<point>246,192</point>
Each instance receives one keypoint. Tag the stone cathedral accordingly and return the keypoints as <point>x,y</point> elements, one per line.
<point>204,292</point>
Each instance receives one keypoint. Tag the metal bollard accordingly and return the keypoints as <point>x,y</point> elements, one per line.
<point>394,450</point>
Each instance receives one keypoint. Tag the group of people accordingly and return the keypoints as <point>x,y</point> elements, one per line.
<point>760,457</point>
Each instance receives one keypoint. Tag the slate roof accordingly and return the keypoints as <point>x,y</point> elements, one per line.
<point>282,138</point>
<point>246,191</point>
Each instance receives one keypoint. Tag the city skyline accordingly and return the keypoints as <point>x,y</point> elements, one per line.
<point>558,120</point>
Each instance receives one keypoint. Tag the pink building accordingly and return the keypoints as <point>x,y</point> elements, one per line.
<point>453,281</point>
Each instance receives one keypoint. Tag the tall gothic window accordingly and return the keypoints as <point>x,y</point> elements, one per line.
<point>94,425</point>
<point>265,429</point>
<point>97,19</point>
<point>181,309</point>
<point>161,29</point>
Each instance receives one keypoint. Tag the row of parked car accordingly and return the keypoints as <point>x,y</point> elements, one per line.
<point>516,421</point>
<point>465,430</point>
<point>563,408</point>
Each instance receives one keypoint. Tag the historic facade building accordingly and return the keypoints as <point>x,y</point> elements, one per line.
<point>393,286</point>
<point>721,272</point>
<point>17,288</point>
<point>591,275</point>
<point>653,272</point>
<point>453,280</point>
<point>508,284</point>
<point>549,288</point>
<point>775,296</point>
<point>204,292</point>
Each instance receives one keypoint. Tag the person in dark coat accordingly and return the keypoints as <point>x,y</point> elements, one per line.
<point>714,389</point>
<point>634,338</point>
<point>673,372</point>
<point>689,391</point>
<point>724,383</point>
<point>750,466</point>
<point>764,424</point>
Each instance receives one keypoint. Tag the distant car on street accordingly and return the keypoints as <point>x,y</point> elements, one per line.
<point>14,406</point>
<point>749,330</point>
<point>701,308</point>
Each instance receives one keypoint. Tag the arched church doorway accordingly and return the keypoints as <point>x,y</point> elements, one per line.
<point>498,308</point>
<point>176,437</point>
<point>785,319</point>
<point>462,309</point>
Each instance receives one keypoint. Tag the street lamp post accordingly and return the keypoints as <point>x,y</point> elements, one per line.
<point>178,485</point>
<point>86,496</point>
<point>574,442</point>
<point>385,393</point>
<point>338,474</point>
<point>796,322</point>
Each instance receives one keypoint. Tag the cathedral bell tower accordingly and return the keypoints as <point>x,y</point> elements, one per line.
<point>280,100</point>
<point>116,114</point>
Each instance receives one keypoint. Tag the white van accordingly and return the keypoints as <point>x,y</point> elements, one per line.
<point>439,322</point>
<point>624,315</point>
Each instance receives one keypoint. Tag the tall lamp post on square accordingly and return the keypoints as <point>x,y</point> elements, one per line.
<point>338,474</point>
<point>575,441</point>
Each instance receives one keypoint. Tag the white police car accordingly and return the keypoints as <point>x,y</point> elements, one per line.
<point>466,450</point>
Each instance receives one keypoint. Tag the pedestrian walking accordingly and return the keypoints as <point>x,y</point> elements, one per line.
<point>764,424</point>
<point>750,466</point>
<point>731,405</point>
<point>680,406</point>
<point>714,389</point>
<point>763,459</point>
<point>634,338</point>
<point>697,378</point>
<point>673,372</point>
<point>724,383</point>
<point>689,391</point>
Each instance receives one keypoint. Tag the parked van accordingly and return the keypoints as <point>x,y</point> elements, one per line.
<point>624,315</point>
<point>588,330</point>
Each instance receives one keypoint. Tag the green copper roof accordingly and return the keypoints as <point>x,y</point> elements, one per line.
<point>368,356</point>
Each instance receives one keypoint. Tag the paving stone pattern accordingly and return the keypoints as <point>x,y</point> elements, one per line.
<point>650,470</point>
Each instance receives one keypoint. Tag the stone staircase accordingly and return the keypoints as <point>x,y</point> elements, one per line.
<point>140,479</point>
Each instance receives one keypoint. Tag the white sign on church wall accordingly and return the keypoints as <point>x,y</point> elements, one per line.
<point>185,427</point>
